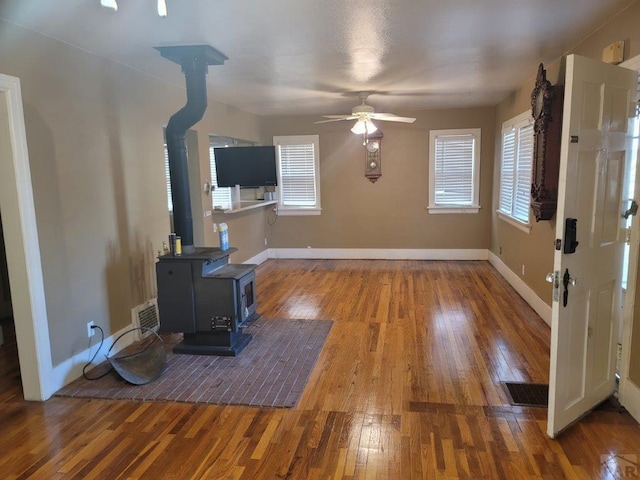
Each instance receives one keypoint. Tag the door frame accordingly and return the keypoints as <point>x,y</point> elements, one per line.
<point>628,392</point>
<point>23,251</point>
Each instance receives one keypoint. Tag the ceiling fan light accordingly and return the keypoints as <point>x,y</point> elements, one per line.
<point>370,127</point>
<point>109,4</point>
<point>360,127</point>
<point>162,8</point>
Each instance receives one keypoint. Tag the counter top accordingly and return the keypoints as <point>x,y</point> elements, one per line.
<point>245,205</point>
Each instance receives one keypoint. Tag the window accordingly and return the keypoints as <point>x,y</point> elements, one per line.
<point>516,168</point>
<point>454,171</point>
<point>298,175</point>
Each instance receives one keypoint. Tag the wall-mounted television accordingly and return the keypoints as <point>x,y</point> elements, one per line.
<point>246,166</point>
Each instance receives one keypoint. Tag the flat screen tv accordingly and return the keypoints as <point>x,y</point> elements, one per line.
<point>246,166</point>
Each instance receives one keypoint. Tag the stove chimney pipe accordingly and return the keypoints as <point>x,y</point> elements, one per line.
<point>195,61</point>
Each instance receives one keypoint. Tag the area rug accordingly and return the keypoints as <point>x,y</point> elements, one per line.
<point>271,371</point>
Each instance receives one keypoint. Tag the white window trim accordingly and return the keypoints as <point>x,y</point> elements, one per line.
<point>525,227</point>
<point>296,140</point>
<point>516,122</point>
<point>435,208</point>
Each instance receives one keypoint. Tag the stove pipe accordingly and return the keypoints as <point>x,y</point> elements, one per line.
<point>195,61</point>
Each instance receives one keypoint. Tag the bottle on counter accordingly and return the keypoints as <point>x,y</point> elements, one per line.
<point>223,233</point>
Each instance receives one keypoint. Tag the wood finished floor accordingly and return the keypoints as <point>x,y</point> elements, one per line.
<point>407,387</point>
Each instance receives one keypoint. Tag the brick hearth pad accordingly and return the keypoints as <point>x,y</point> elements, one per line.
<point>270,372</point>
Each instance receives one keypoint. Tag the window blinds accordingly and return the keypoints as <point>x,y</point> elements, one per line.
<point>507,177</point>
<point>167,176</point>
<point>516,168</point>
<point>454,164</point>
<point>524,166</point>
<point>297,175</point>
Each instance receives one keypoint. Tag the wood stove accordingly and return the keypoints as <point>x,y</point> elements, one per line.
<point>199,293</point>
<point>208,299</point>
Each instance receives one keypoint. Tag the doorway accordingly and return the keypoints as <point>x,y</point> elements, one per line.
<point>22,246</point>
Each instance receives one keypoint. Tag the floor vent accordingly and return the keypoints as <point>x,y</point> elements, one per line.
<point>146,315</point>
<point>527,394</point>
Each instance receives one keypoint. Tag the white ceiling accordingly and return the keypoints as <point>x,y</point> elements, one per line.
<point>312,56</point>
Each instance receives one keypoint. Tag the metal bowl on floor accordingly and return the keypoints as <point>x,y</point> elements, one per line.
<point>140,364</point>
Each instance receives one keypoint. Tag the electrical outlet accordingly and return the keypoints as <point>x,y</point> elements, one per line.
<point>523,269</point>
<point>265,241</point>
<point>91,331</point>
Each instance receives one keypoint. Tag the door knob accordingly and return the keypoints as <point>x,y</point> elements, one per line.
<point>567,280</point>
<point>632,210</point>
<point>551,277</point>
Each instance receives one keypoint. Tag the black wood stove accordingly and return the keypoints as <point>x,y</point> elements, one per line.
<point>208,299</point>
<point>199,292</point>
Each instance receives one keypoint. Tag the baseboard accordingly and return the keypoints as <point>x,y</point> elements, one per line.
<point>379,253</point>
<point>262,257</point>
<point>539,305</point>
<point>71,369</point>
<point>630,398</point>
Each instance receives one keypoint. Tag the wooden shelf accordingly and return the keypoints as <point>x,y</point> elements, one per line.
<point>244,206</point>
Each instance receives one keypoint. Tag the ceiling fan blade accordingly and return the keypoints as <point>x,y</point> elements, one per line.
<point>390,117</point>
<point>342,117</point>
<point>336,118</point>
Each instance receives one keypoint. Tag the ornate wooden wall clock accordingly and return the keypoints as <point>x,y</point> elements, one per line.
<point>546,108</point>
<point>373,157</point>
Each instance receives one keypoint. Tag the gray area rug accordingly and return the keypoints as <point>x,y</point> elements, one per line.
<point>270,372</point>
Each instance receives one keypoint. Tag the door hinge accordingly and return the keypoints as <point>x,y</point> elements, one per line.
<point>627,235</point>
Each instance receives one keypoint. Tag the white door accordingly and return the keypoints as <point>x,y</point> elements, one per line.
<point>599,101</point>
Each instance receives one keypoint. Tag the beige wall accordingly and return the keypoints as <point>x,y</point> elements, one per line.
<point>535,250</point>
<point>247,232</point>
<point>390,213</point>
<point>94,133</point>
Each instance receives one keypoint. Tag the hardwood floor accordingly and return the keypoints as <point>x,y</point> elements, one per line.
<point>408,386</point>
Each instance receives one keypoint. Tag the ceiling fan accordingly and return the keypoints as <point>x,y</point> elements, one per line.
<point>364,113</point>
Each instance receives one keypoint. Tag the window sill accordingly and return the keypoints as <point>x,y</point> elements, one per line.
<point>457,209</point>
<point>516,223</point>
<point>283,212</point>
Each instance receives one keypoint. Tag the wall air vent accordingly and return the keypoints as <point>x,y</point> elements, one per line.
<point>146,315</point>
